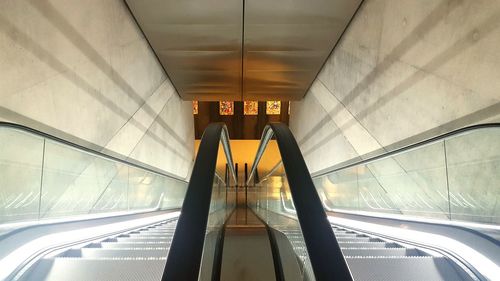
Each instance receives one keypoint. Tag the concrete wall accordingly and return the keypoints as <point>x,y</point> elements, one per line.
<point>83,71</point>
<point>404,71</point>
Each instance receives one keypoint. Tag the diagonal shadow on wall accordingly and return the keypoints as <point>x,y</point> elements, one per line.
<point>58,20</point>
<point>45,56</point>
<point>461,45</point>
<point>437,15</point>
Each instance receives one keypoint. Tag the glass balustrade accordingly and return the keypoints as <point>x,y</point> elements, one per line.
<point>456,178</point>
<point>222,204</point>
<point>41,178</point>
<point>271,199</point>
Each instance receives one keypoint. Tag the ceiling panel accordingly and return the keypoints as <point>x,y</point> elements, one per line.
<point>201,46</point>
<point>287,41</point>
<point>197,42</point>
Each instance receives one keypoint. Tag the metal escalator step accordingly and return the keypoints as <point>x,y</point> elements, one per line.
<point>344,232</point>
<point>349,235</point>
<point>154,230</point>
<point>153,233</point>
<point>62,269</point>
<point>368,245</point>
<point>123,252</point>
<point>146,234</point>
<point>114,245</point>
<point>402,268</point>
<point>358,239</point>
<point>162,228</point>
<point>141,239</point>
<point>157,230</point>
<point>380,252</point>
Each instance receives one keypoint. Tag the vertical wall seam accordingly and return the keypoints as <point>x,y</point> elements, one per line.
<point>447,177</point>
<point>41,180</point>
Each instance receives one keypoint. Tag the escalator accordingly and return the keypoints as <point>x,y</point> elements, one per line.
<point>139,254</point>
<point>247,249</point>
<point>374,247</point>
<point>68,212</point>
<point>285,225</point>
<point>439,196</point>
<point>373,258</point>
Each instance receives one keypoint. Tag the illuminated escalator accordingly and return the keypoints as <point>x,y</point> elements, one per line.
<point>285,226</point>
<point>139,254</point>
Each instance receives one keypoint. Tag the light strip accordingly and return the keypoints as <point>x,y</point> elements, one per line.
<point>484,265</point>
<point>15,225</point>
<point>413,218</point>
<point>10,262</point>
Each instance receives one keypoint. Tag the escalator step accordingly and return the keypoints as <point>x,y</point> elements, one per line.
<point>141,239</point>
<point>123,252</point>
<point>94,269</point>
<point>368,245</point>
<point>402,268</point>
<point>357,239</point>
<point>380,252</point>
<point>349,235</point>
<point>152,235</point>
<point>134,244</point>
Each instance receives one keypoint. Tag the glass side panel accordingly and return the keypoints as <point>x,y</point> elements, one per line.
<point>43,179</point>
<point>222,204</point>
<point>474,176</point>
<point>372,195</point>
<point>340,190</point>
<point>175,191</point>
<point>145,189</point>
<point>115,196</point>
<point>409,183</point>
<point>21,157</point>
<point>272,201</point>
<point>73,180</point>
<point>455,178</point>
<point>423,175</point>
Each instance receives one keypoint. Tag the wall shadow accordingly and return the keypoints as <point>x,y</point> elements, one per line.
<point>425,26</point>
<point>23,40</point>
<point>461,45</point>
<point>58,20</point>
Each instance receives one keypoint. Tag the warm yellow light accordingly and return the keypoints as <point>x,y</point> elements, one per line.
<point>273,107</point>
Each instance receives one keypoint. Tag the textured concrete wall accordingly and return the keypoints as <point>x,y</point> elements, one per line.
<point>404,71</point>
<point>83,71</point>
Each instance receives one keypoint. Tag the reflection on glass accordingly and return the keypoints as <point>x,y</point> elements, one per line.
<point>72,180</point>
<point>222,203</point>
<point>115,196</point>
<point>474,176</point>
<point>272,201</point>
<point>21,157</point>
<point>41,178</point>
<point>456,178</point>
<point>340,189</point>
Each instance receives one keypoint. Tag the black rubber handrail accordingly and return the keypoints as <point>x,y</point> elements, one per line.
<point>327,261</point>
<point>408,147</point>
<point>83,148</point>
<point>185,254</point>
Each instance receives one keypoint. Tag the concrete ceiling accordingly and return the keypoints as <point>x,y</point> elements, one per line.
<point>242,49</point>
